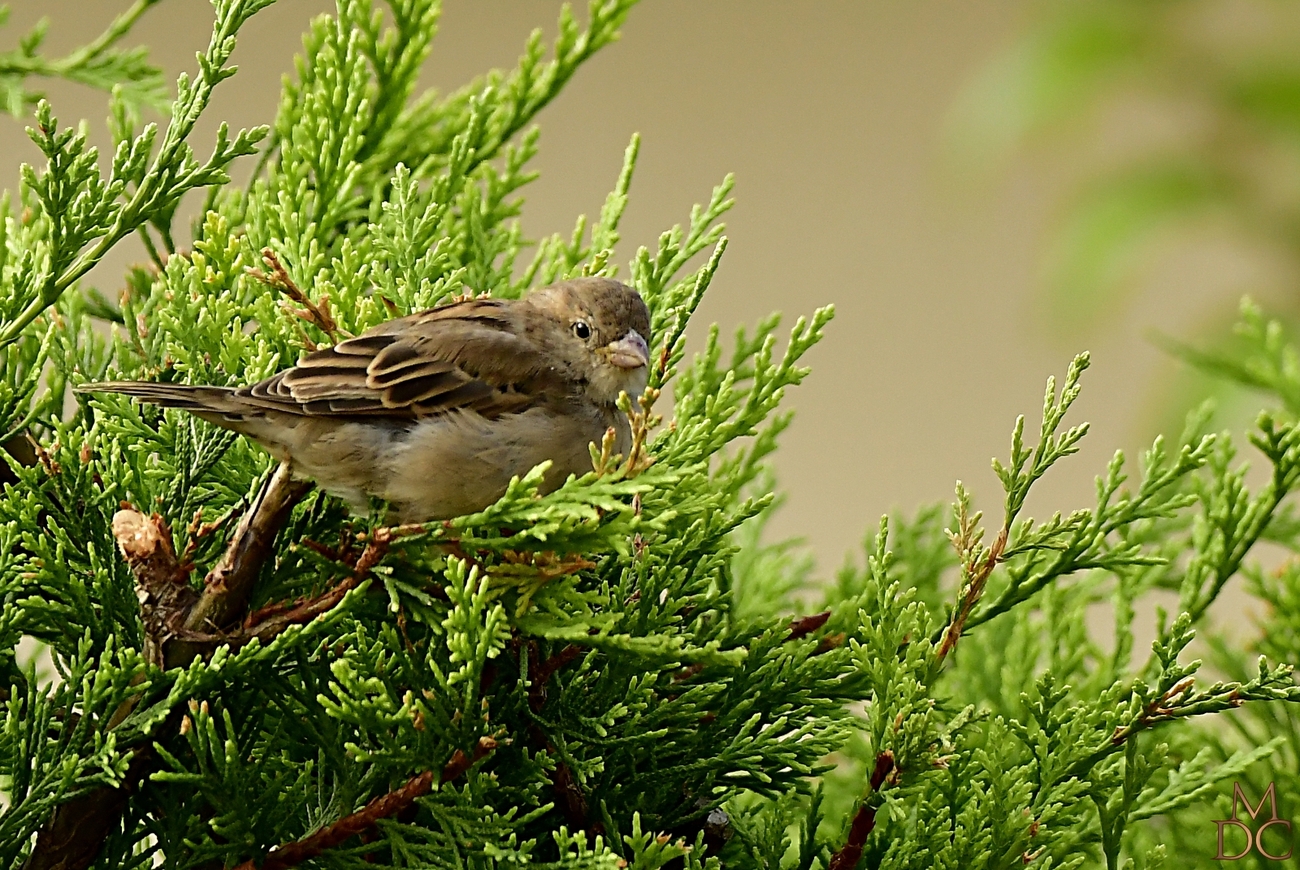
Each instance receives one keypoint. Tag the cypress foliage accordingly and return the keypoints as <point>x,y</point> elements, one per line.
<point>621,672</point>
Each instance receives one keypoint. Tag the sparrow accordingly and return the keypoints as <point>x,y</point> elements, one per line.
<point>435,412</point>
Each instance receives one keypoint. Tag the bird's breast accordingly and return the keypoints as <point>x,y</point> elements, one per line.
<point>461,462</point>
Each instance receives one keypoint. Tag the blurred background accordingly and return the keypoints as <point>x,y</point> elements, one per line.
<point>981,188</point>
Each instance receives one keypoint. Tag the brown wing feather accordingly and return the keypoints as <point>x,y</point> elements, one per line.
<point>469,355</point>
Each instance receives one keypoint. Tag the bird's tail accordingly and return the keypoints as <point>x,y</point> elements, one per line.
<point>189,397</point>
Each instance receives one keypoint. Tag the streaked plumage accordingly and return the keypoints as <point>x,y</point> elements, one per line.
<point>436,411</point>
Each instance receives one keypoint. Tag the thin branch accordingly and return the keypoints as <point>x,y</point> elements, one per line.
<point>978,575</point>
<point>197,531</point>
<point>150,248</point>
<point>116,30</point>
<point>265,623</point>
<point>317,314</point>
<point>269,621</point>
<point>77,61</point>
<point>383,807</point>
<point>571,797</point>
<point>161,581</point>
<point>76,831</point>
<point>229,584</point>
<point>170,174</point>
<point>802,626</point>
<point>460,763</point>
<point>864,820</point>
<point>567,790</point>
<point>545,670</point>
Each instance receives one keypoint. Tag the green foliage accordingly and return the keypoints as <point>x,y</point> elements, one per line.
<point>80,215</point>
<point>100,64</point>
<point>611,674</point>
<point>1176,126</point>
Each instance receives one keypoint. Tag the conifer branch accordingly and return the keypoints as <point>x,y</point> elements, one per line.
<point>72,837</point>
<point>229,584</point>
<point>97,64</point>
<point>802,626</point>
<point>568,792</point>
<point>162,581</point>
<point>75,833</point>
<point>570,795</point>
<point>384,807</point>
<point>269,621</point>
<point>87,214</point>
<point>864,820</point>
<point>167,604</point>
<point>545,670</point>
<point>977,564</point>
<point>460,763</point>
<point>686,684</point>
<point>317,314</point>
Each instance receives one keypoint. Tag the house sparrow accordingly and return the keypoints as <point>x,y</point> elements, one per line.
<point>436,412</point>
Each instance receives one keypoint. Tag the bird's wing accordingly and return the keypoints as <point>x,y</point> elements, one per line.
<point>469,355</point>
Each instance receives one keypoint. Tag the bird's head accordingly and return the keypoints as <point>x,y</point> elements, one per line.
<point>602,327</point>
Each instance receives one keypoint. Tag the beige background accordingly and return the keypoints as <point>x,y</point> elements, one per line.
<point>831,115</point>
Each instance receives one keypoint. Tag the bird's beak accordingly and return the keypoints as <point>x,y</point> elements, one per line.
<point>630,351</point>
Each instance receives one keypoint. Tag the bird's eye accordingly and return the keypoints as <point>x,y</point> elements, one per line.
<point>581,329</point>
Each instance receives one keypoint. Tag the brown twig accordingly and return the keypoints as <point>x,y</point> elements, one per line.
<point>76,830</point>
<point>1159,710</point>
<point>452,547</point>
<point>161,581</point>
<point>267,622</point>
<point>802,626</point>
<point>545,670</point>
<point>344,552</point>
<point>642,421</point>
<point>73,836</point>
<point>198,530</point>
<point>316,314</point>
<point>46,461</point>
<point>572,800</point>
<point>270,621</point>
<point>864,820</point>
<point>977,575</point>
<point>686,673</point>
<point>383,807</point>
<point>170,610</point>
<point>292,854</point>
<point>229,584</point>
<point>460,763</point>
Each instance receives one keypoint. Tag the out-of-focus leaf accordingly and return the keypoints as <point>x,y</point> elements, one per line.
<point>1114,222</point>
<point>1049,75</point>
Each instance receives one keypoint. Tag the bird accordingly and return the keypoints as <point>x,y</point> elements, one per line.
<point>435,412</point>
